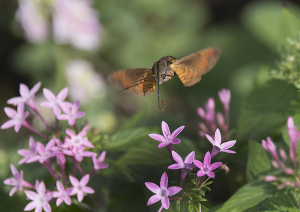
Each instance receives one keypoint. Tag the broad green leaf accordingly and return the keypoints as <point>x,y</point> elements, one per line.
<point>266,108</point>
<point>248,196</point>
<point>271,21</point>
<point>125,139</point>
<point>281,202</point>
<point>258,161</point>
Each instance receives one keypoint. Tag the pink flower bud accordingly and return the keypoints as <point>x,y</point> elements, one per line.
<point>270,178</point>
<point>275,164</point>
<point>201,112</point>
<point>296,184</point>
<point>283,155</point>
<point>289,171</point>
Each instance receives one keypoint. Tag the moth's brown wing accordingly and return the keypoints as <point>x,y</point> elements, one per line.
<point>190,68</point>
<point>125,80</point>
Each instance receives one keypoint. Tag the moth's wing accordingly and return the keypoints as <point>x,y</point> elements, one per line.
<point>190,68</point>
<point>125,80</point>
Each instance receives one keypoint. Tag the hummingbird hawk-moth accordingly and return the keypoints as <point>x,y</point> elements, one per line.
<point>189,70</point>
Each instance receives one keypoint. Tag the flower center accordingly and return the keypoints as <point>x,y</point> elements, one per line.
<point>163,193</point>
<point>205,169</point>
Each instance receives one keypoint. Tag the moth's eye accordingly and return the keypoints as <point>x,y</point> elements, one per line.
<point>163,76</point>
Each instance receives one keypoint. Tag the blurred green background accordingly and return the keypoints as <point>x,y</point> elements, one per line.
<point>135,35</point>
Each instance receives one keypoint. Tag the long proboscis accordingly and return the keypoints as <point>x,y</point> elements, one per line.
<point>163,101</point>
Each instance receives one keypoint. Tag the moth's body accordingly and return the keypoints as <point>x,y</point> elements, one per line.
<point>189,70</point>
<point>162,71</point>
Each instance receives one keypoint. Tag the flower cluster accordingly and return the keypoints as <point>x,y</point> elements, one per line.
<point>73,145</point>
<point>210,117</point>
<point>188,165</point>
<point>291,175</point>
<point>74,22</point>
<point>288,66</point>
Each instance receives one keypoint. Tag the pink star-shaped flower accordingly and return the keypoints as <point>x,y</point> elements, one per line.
<point>56,102</point>
<point>206,168</point>
<point>28,153</point>
<point>98,163</point>
<point>26,97</point>
<point>79,187</point>
<point>168,138</point>
<point>187,164</point>
<point>40,200</point>
<point>17,181</point>
<point>162,193</point>
<point>61,194</point>
<point>72,114</point>
<point>79,153</point>
<point>217,146</point>
<point>44,152</point>
<point>17,117</point>
<point>79,140</point>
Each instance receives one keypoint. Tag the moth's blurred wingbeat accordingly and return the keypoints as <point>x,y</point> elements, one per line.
<point>189,70</point>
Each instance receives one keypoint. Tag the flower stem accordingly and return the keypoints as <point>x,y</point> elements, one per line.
<point>43,120</point>
<point>25,124</point>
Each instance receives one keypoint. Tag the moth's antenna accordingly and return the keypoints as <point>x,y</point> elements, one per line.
<point>163,101</point>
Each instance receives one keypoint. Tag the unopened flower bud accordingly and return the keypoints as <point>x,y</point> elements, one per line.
<point>270,178</point>
<point>296,184</point>
<point>283,155</point>
<point>289,171</point>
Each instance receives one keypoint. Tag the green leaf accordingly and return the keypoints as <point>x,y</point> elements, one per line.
<point>271,22</point>
<point>136,119</point>
<point>125,139</point>
<point>248,196</point>
<point>281,202</point>
<point>266,108</point>
<point>258,161</point>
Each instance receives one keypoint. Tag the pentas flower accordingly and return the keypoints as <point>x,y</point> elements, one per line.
<point>28,153</point>
<point>26,97</point>
<point>217,146</point>
<point>167,137</point>
<point>44,152</point>
<point>294,137</point>
<point>79,187</point>
<point>77,141</point>
<point>269,146</point>
<point>40,200</point>
<point>206,168</point>
<point>98,163</point>
<point>185,166</point>
<point>162,193</point>
<point>17,181</point>
<point>61,194</point>
<point>56,102</point>
<point>17,118</point>
<point>72,114</point>
<point>208,116</point>
<point>79,153</point>
<point>224,96</point>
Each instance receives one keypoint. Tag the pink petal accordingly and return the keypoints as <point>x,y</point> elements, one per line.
<point>30,206</point>
<point>65,106</point>
<point>14,171</point>
<point>158,137</point>
<point>228,151</point>
<point>62,95</point>
<point>23,160</point>
<point>207,159</point>
<point>164,181</point>
<point>63,117</point>
<point>176,166</point>
<point>165,203</point>
<point>152,187</point>
<point>71,121</point>
<point>80,196</point>
<point>190,158</point>
<point>12,191</point>
<point>177,157</point>
<point>35,88</point>
<point>227,145</point>
<point>85,179</point>
<point>175,141</point>
<point>47,207</point>
<point>31,195</point>
<point>198,163</point>
<point>165,129</point>
<point>59,186</point>
<point>17,127</point>
<point>11,113</point>
<point>217,137</point>
<point>80,114</point>
<point>41,188</point>
<point>46,104</point>
<point>211,174</point>
<point>210,139</point>
<point>161,145</point>
<point>88,190</point>
<point>153,199</point>
<point>39,208</point>
<point>75,106</point>
<point>73,180</point>
<point>215,165</point>
<point>56,110</point>
<point>200,173</point>
<point>173,190</point>
<point>49,95</point>
<point>59,201</point>
<point>102,156</point>
<point>24,90</point>
<point>8,124</point>
<point>177,131</point>
<point>67,200</point>
<point>15,101</point>
<point>83,132</point>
